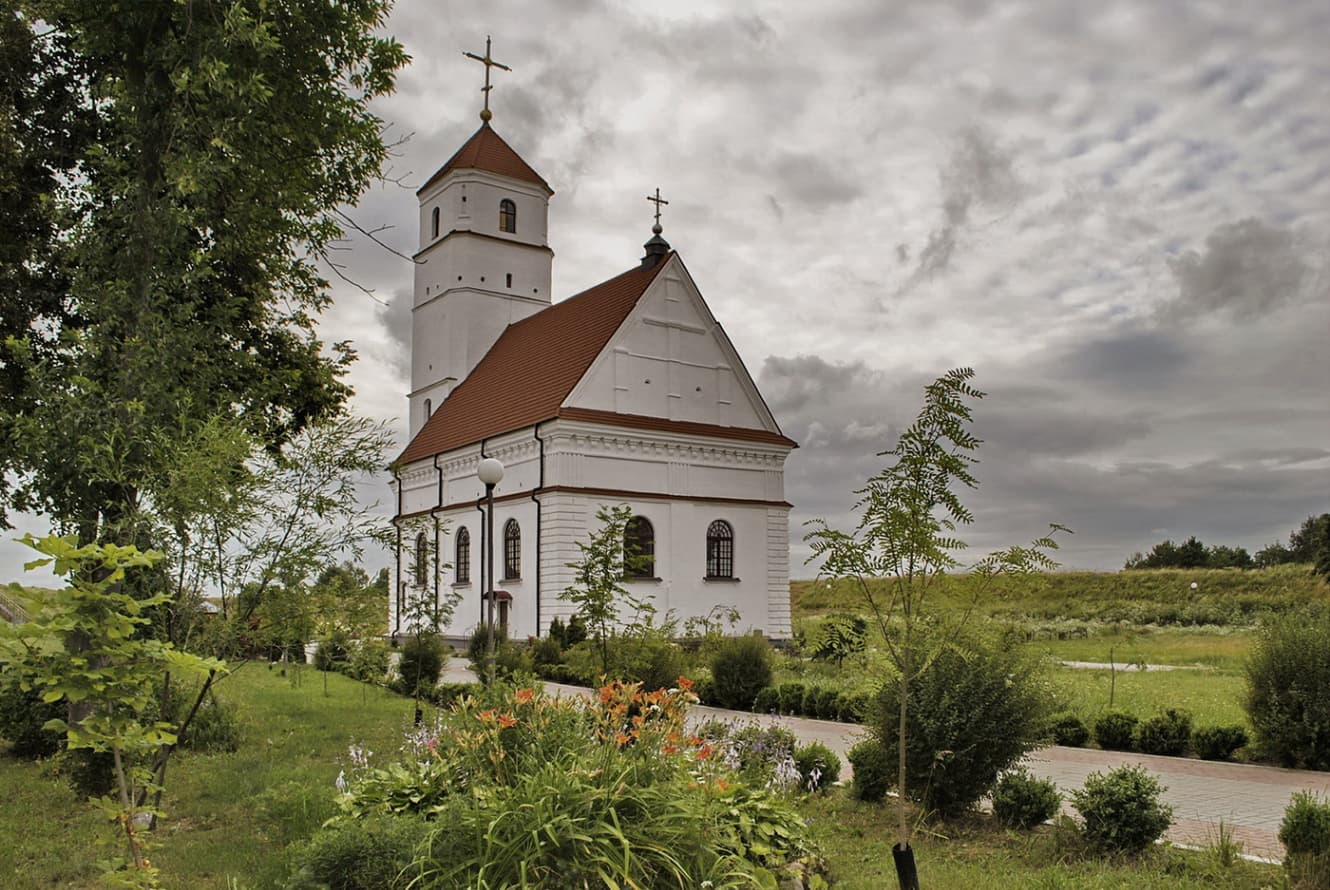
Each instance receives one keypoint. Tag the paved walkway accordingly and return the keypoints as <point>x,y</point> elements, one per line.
<point>1248,798</point>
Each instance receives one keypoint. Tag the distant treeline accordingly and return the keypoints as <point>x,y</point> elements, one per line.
<point>1308,543</point>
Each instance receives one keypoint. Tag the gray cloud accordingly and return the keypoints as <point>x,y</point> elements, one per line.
<point>1248,268</point>
<point>978,174</point>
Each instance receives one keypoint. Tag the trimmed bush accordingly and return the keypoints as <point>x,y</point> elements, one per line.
<point>655,662</point>
<point>974,713</point>
<point>852,707</point>
<point>791,698</point>
<point>1218,742</point>
<point>1122,810</point>
<point>446,693</point>
<point>545,651</point>
<point>1168,733</point>
<point>1022,801</point>
<point>1305,834</point>
<point>767,701</point>
<point>1069,730</point>
<point>872,767</point>
<point>1116,731</point>
<point>1288,691</point>
<point>740,669</point>
<point>371,853</point>
<point>819,767</point>
<point>420,664</point>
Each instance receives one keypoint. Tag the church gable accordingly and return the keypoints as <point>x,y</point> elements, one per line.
<point>671,359</point>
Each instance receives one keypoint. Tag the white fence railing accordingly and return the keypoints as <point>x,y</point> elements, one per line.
<point>10,610</point>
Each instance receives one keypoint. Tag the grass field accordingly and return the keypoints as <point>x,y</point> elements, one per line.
<point>976,855</point>
<point>233,818</point>
<point>230,817</point>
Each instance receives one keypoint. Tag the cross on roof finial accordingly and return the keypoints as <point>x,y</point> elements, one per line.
<point>489,63</point>
<point>657,200</point>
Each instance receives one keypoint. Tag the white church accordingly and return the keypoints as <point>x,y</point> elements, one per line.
<point>628,393</point>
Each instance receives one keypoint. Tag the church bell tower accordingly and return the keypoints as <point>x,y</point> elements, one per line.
<point>484,260</point>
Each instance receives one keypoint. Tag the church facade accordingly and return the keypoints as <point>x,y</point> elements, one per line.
<point>628,393</point>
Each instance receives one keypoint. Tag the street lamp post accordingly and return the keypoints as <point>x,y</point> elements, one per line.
<point>490,473</point>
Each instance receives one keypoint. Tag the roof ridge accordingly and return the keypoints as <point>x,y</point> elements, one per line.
<point>479,152</point>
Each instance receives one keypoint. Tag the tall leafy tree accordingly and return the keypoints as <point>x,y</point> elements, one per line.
<point>184,225</point>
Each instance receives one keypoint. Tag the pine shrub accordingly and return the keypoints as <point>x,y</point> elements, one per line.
<point>1116,731</point>
<point>1122,810</point>
<point>1218,742</point>
<point>1288,691</point>
<point>872,766</point>
<point>1022,801</point>
<point>1305,834</point>
<point>975,712</point>
<point>1168,733</point>
<point>819,767</point>
<point>1069,730</point>
<point>740,669</point>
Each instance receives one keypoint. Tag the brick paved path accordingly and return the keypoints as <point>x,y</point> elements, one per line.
<point>1249,798</point>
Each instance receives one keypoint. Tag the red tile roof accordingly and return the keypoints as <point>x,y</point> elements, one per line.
<point>530,370</point>
<point>528,373</point>
<point>487,151</point>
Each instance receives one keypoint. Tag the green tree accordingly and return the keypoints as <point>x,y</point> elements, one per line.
<point>114,669</point>
<point>181,226</point>
<point>598,591</point>
<point>909,513</point>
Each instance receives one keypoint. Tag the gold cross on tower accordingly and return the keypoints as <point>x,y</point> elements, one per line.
<point>657,200</point>
<point>489,63</point>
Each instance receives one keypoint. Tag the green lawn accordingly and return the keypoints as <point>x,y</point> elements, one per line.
<point>230,817</point>
<point>1212,696</point>
<point>857,839</point>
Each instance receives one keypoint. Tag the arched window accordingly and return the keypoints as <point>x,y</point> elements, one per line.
<point>507,216</point>
<point>429,409</point>
<point>639,548</point>
<point>512,550</point>
<point>434,223</point>
<point>462,558</point>
<point>422,560</point>
<point>720,550</point>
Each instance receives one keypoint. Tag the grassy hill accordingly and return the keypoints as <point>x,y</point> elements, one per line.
<point>1155,596</point>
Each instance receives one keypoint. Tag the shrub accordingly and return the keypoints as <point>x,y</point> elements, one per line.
<point>705,690</point>
<point>853,707</point>
<point>1022,801</point>
<point>446,693</point>
<point>333,652</point>
<point>420,664</point>
<point>837,637</point>
<point>545,651</point>
<point>510,658</point>
<point>790,697</point>
<point>827,704</point>
<point>1168,733</point>
<point>1288,691</point>
<point>819,767</point>
<point>214,728</point>
<point>872,767</point>
<point>655,662</point>
<point>975,712</point>
<point>740,669</point>
<point>1218,742</point>
<point>372,853</point>
<point>369,661</point>
<point>1305,834</point>
<point>1115,731</point>
<point>767,701</point>
<point>1122,810</point>
<point>22,716</point>
<point>1069,730</point>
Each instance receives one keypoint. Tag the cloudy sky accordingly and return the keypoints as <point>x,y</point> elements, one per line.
<point>1117,213</point>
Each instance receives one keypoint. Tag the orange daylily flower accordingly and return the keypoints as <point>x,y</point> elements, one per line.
<point>524,696</point>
